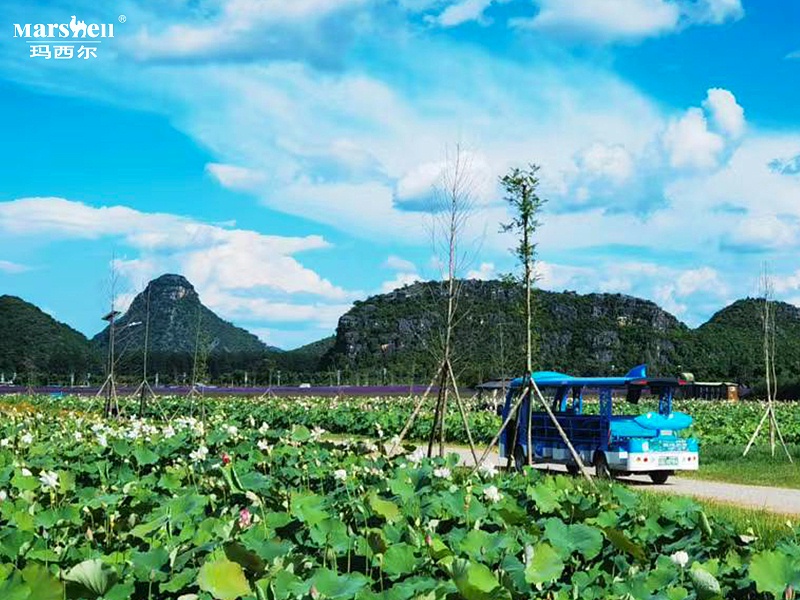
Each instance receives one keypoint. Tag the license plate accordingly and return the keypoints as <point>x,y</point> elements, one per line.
<point>668,461</point>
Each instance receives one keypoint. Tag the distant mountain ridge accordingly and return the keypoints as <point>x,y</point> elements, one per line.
<point>395,337</point>
<point>580,334</point>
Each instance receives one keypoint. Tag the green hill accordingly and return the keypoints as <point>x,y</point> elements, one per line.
<point>731,344</point>
<point>179,326</point>
<point>581,334</point>
<point>40,349</point>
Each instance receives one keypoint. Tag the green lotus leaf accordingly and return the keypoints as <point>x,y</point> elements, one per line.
<point>545,566</point>
<point>93,575</point>
<point>475,581</point>
<point>622,542</point>
<point>772,571</point>
<point>384,508</point>
<point>223,579</point>
<point>400,559</point>
<point>309,507</point>
<point>333,586</point>
<point>42,584</point>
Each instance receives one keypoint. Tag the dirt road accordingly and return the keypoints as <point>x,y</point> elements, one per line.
<point>777,500</point>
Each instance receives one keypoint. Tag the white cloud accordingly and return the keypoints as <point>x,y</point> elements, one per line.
<point>416,188</point>
<point>239,273</point>
<point>606,19</point>
<point>399,280</point>
<point>765,232</point>
<point>627,20</point>
<point>690,144</point>
<point>486,271</point>
<point>248,30</point>
<point>726,113</point>
<point>672,288</point>
<point>463,12</point>
<point>7,266</point>
<point>237,178</point>
<point>786,283</point>
<point>399,264</point>
<point>713,12</point>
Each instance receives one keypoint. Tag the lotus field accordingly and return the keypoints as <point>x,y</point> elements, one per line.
<point>252,501</point>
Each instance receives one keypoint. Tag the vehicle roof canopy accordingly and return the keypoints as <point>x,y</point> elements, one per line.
<point>636,377</point>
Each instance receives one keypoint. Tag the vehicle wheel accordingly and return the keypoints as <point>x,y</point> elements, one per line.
<point>601,469</point>
<point>659,477</point>
<point>573,470</point>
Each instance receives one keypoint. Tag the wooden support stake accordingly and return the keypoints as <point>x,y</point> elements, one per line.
<point>463,416</point>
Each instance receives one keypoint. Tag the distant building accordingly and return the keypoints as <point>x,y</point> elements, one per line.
<point>711,390</point>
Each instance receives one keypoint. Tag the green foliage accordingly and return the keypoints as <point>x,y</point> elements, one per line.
<point>36,346</point>
<point>291,516</point>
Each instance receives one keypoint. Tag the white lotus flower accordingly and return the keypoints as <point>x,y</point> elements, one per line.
<point>680,558</point>
<point>417,456</point>
<point>26,438</point>
<point>264,428</point>
<point>263,445</point>
<point>5,443</point>
<point>26,472</point>
<point>340,474</point>
<point>78,436</point>
<point>492,494</point>
<point>168,432</point>
<point>101,440</point>
<point>488,469</point>
<point>199,454</point>
<point>442,473</point>
<point>3,495</point>
<point>232,430</point>
<point>49,480</point>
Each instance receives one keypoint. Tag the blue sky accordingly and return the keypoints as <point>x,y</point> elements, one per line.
<point>278,153</point>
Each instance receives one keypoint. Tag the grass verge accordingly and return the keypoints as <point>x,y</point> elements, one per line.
<point>768,528</point>
<point>759,467</point>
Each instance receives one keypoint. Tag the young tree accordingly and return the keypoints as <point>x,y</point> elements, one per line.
<point>521,187</point>
<point>451,207</point>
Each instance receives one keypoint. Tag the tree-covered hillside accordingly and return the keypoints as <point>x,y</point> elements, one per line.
<point>40,349</point>
<point>180,326</point>
<point>582,334</point>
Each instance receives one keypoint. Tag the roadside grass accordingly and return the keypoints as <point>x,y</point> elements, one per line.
<point>767,527</point>
<point>759,467</point>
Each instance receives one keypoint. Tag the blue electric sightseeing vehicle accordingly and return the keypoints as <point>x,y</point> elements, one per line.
<point>648,444</point>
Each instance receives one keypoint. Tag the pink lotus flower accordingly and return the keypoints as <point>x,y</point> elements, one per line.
<point>245,518</point>
<point>226,459</point>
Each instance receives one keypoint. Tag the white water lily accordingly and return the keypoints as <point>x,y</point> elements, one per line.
<point>340,474</point>
<point>199,454</point>
<point>442,473</point>
<point>680,558</point>
<point>492,494</point>
<point>49,480</point>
